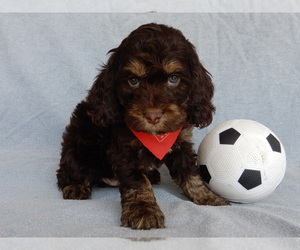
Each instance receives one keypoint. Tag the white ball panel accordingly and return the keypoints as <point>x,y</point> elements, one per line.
<point>226,189</point>
<point>254,151</point>
<point>206,148</point>
<point>252,128</point>
<point>226,162</point>
<point>275,171</point>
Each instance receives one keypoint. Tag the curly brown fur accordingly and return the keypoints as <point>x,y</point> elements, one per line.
<point>154,83</point>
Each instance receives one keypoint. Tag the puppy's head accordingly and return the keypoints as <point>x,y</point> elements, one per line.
<point>154,82</point>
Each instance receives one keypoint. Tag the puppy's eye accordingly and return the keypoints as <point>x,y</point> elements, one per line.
<point>173,80</point>
<point>133,82</point>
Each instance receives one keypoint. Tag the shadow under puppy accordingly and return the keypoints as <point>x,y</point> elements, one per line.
<point>153,86</point>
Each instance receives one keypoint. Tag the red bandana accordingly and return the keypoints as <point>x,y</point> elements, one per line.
<point>159,145</point>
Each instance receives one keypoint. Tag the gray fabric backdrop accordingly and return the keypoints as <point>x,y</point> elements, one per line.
<point>49,61</point>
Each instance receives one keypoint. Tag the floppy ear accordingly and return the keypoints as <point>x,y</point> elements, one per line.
<point>200,107</point>
<point>104,105</point>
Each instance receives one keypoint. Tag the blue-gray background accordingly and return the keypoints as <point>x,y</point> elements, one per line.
<point>49,61</point>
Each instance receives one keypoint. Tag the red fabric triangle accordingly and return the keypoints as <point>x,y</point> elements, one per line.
<point>159,145</point>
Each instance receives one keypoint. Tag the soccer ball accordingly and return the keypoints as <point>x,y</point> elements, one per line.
<point>242,160</point>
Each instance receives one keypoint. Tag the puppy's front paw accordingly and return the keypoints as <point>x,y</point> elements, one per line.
<point>200,194</point>
<point>142,215</point>
<point>211,200</point>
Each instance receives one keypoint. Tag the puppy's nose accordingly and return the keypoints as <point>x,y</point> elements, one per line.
<point>153,115</point>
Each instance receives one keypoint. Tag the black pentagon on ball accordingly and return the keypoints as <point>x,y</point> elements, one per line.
<point>229,136</point>
<point>250,179</point>
<point>274,143</point>
<point>204,173</point>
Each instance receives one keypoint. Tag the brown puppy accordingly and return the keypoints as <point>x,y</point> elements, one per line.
<point>153,83</point>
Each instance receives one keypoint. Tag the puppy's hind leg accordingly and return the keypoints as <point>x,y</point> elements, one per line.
<point>77,191</point>
<point>73,188</point>
<point>82,156</point>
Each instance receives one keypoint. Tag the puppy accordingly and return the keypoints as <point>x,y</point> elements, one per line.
<point>138,115</point>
